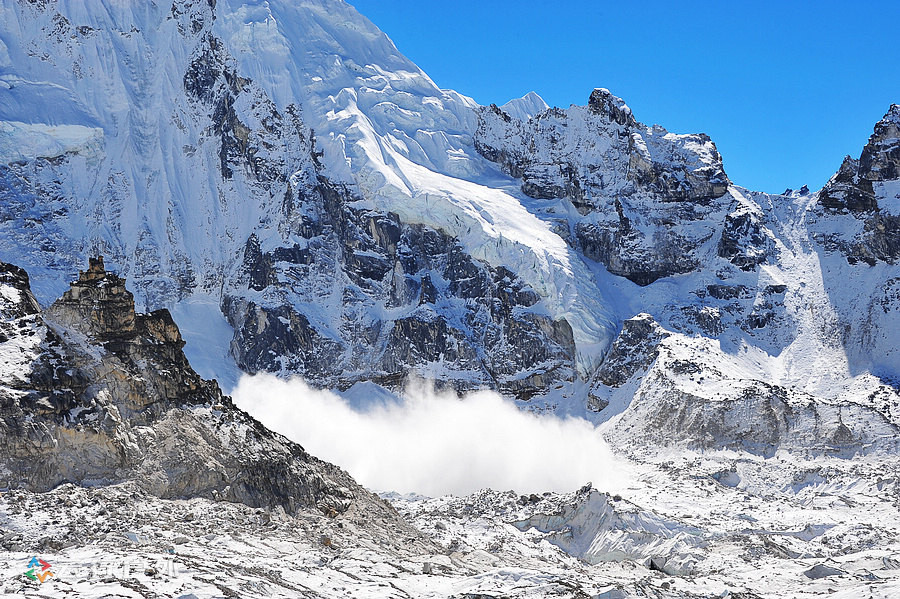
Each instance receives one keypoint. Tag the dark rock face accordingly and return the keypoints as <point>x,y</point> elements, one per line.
<point>277,338</point>
<point>16,278</point>
<point>457,321</point>
<point>851,188</point>
<point>99,303</point>
<point>728,292</point>
<point>854,190</point>
<point>848,191</point>
<point>744,241</point>
<point>880,158</point>
<point>106,395</point>
<point>646,196</point>
<point>623,251</point>
<point>609,106</point>
<point>634,350</point>
<point>212,81</point>
<point>879,241</point>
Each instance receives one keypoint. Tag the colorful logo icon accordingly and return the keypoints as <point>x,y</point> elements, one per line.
<point>44,573</point>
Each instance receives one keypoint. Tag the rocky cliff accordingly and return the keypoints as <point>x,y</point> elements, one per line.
<point>646,198</point>
<point>95,394</point>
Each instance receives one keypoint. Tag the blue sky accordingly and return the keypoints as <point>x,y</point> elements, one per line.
<point>785,89</point>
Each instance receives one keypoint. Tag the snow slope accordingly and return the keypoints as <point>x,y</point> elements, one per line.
<point>525,107</point>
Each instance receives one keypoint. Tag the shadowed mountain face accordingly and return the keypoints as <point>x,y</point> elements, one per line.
<point>284,172</point>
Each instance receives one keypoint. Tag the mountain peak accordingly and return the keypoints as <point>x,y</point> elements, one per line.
<point>893,113</point>
<point>603,102</point>
<point>525,107</point>
<point>853,186</point>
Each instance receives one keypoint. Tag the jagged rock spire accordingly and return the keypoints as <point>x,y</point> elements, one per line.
<point>97,304</point>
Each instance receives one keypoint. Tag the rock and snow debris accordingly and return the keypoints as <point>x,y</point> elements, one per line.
<point>789,530</point>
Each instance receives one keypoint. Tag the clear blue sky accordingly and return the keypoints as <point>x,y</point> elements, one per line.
<point>785,89</point>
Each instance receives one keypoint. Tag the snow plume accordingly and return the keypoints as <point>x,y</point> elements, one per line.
<point>433,443</point>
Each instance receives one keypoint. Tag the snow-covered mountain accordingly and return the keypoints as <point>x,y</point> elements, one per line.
<point>298,191</point>
<point>354,174</point>
<point>280,166</point>
<point>305,200</point>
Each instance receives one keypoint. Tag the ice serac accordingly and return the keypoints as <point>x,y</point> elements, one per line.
<point>599,528</point>
<point>94,393</point>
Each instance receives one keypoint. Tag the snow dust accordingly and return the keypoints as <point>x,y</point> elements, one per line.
<point>433,443</point>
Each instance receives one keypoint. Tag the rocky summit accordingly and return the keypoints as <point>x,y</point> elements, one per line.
<point>96,394</point>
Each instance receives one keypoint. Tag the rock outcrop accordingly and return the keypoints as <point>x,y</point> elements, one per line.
<point>99,394</point>
<point>633,351</point>
<point>855,190</point>
<point>645,195</point>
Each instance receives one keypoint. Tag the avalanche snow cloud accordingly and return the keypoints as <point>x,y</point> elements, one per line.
<point>433,443</point>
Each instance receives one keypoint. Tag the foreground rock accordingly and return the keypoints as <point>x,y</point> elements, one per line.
<point>94,393</point>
